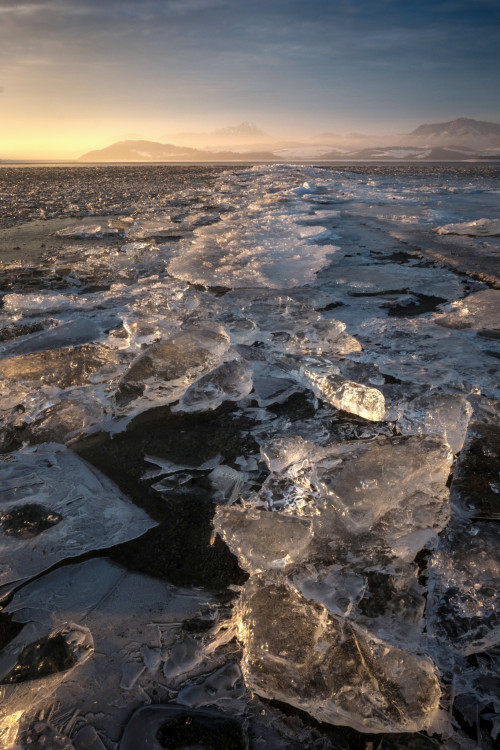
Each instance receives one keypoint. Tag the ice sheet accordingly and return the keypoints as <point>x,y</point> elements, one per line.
<point>54,505</point>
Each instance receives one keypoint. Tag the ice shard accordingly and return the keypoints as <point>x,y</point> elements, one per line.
<point>296,651</point>
<point>444,414</point>
<point>344,394</point>
<point>231,381</point>
<point>386,493</point>
<point>262,540</point>
<point>173,364</point>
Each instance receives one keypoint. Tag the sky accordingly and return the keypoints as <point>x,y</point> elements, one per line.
<point>80,74</point>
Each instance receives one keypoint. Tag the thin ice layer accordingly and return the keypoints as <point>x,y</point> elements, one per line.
<point>134,621</point>
<point>476,228</point>
<point>32,667</point>
<point>54,505</point>
<point>297,652</point>
<point>263,247</point>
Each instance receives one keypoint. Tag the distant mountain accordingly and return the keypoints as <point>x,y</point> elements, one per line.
<point>461,133</point>
<point>151,151</point>
<point>458,140</point>
<point>458,128</point>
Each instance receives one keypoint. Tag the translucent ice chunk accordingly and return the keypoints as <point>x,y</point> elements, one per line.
<point>54,505</point>
<point>389,602</point>
<point>480,310</point>
<point>290,454</point>
<point>337,588</point>
<point>392,489</point>
<point>437,414</point>
<point>263,540</point>
<point>330,668</point>
<point>64,367</point>
<point>176,361</point>
<point>231,381</point>
<point>386,477</point>
<point>324,337</point>
<point>344,394</point>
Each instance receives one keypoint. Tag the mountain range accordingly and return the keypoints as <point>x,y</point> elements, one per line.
<point>458,140</point>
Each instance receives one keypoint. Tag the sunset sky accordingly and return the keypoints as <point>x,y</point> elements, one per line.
<point>80,74</point>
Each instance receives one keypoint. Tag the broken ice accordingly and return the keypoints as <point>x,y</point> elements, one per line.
<point>329,667</point>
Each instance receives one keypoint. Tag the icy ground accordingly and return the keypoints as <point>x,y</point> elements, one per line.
<point>250,458</point>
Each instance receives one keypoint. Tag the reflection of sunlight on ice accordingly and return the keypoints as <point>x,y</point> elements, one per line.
<point>9,730</point>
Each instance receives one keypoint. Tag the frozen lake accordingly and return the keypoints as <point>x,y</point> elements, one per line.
<point>250,455</point>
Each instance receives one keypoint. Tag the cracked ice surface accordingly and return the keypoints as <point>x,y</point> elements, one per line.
<point>83,508</point>
<point>329,667</point>
<point>277,342</point>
